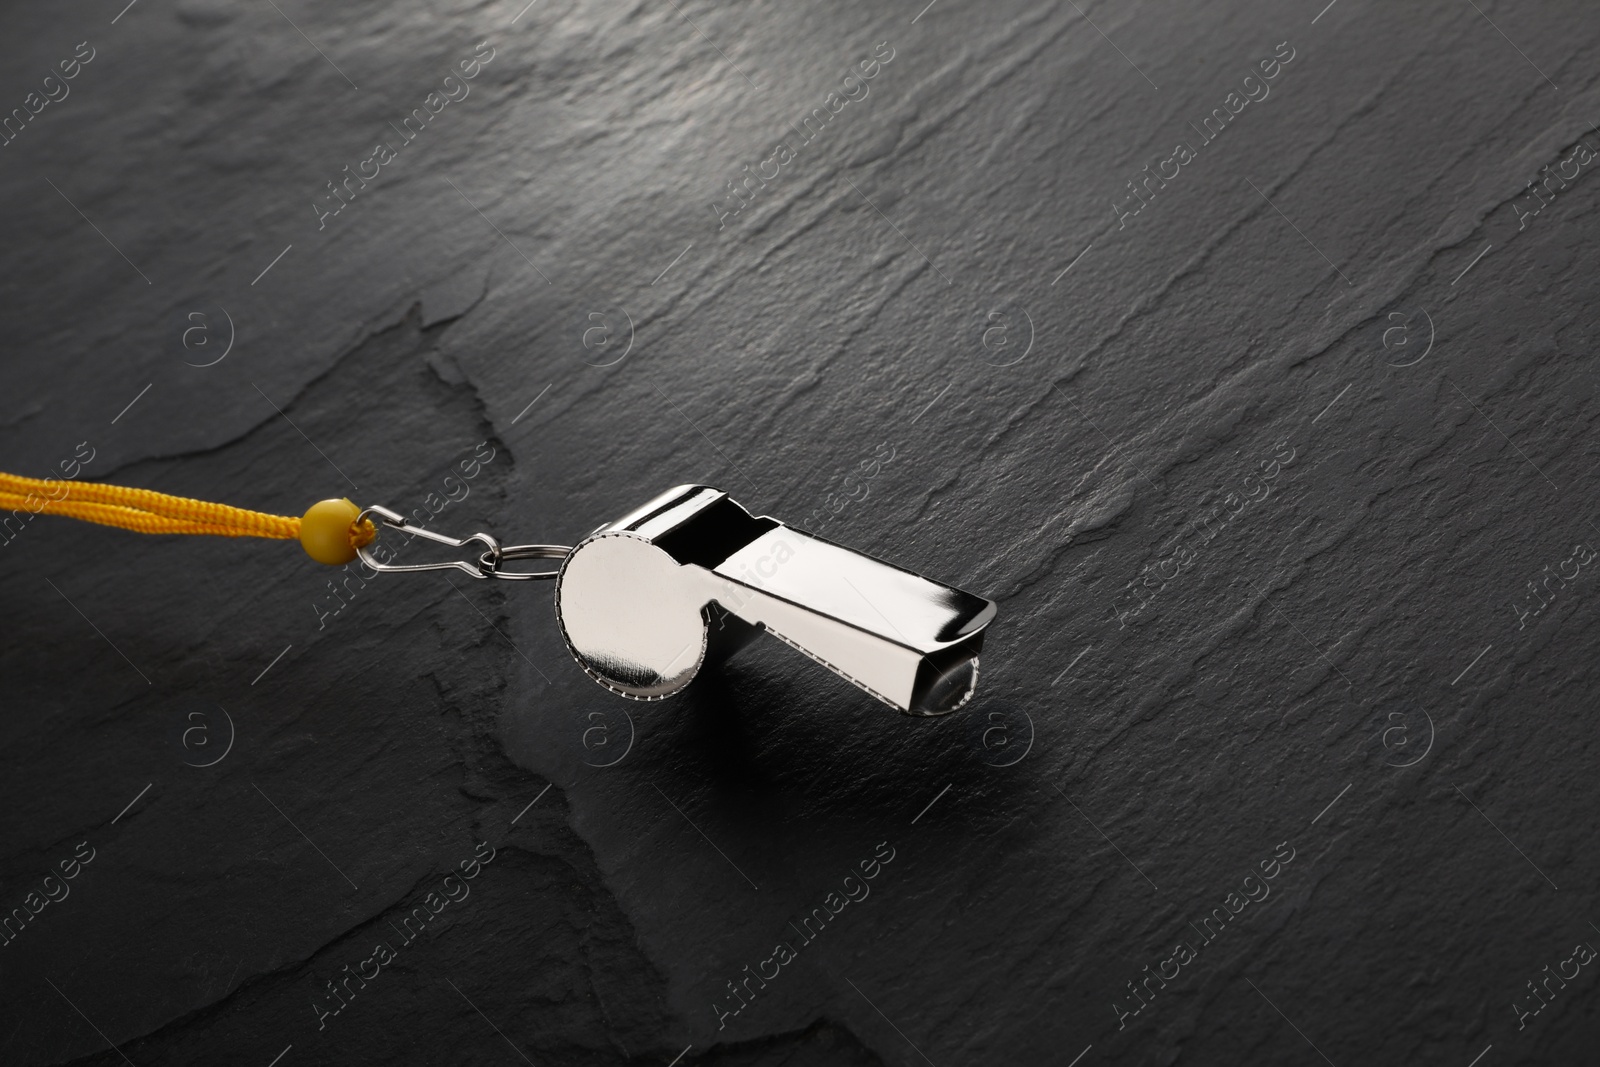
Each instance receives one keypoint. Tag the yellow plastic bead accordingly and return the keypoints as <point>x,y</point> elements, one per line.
<point>325,531</point>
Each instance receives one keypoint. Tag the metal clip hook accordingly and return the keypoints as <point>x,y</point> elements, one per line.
<point>488,565</point>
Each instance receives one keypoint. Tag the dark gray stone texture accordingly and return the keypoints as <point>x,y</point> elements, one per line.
<point>1284,484</point>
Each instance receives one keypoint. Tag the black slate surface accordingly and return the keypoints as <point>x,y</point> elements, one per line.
<point>1280,468</point>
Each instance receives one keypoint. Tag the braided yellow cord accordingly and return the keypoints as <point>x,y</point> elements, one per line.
<point>146,511</point>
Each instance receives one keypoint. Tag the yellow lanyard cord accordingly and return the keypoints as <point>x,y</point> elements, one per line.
<point>327,531</point>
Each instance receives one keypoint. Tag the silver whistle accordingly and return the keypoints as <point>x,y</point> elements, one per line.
<point>692,577</point>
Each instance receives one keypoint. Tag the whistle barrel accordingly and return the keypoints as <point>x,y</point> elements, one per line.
<point>633,601</point>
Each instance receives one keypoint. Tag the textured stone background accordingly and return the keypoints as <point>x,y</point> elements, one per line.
<point>1344,662</point>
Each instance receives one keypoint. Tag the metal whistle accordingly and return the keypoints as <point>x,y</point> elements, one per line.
<point>692,577</point>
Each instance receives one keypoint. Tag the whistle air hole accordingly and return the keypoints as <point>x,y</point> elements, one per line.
<point>942,690</point>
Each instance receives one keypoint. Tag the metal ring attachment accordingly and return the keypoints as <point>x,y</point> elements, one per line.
<point>492,561</point>
<point>488,564</point>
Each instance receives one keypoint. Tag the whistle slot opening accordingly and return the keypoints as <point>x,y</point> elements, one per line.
<point>717,532</point>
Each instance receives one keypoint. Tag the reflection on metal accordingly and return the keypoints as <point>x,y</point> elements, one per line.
<point>692,577</point>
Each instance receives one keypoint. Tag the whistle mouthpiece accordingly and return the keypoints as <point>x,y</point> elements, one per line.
<point>692,577</point>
